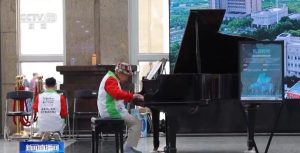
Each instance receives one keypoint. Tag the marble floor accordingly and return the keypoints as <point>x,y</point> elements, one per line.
<point>185,144</point>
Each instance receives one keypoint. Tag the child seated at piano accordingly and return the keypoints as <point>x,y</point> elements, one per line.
<point>111,100</point>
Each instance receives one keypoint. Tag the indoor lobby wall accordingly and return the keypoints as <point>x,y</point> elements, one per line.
<point>99,26</point>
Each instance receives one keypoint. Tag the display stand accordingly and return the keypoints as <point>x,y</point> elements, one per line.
<point>261,80</point>
<point>274,127</point>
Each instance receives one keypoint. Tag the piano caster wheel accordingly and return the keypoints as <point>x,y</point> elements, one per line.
<point>166,149</point>
<point>169,150</point>
<point>250,151</point>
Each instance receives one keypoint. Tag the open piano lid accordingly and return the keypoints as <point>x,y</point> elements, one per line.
<point>205,21</point>
<point>207,64</point>
<point>208,19</point>
<point>204,49</point>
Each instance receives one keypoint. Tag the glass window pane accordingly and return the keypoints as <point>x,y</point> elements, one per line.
<point>41,27</point>
<point>46,69</point>
<point>153,26</point>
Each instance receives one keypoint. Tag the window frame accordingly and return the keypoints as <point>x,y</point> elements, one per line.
<point>134,55</point>
<point>40,57</point>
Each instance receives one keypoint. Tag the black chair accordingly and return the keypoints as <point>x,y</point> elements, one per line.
<point>84,98</point>
<point>107,125</point>
<point>16,96</point>
<point>63,92</point>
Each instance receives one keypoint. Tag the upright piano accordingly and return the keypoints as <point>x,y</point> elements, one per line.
<point>206,71</point>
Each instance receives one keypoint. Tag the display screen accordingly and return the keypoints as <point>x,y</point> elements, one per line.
<point>261,71</point>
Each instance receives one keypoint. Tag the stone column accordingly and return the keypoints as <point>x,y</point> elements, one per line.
<point>99,26</point>
<point>9,52</point>
<point>80,31</point>
<point>113,31</point>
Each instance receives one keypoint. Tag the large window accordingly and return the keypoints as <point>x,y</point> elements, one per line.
<point>259,19</point>
<point>153,34</point>
<point>47,69</point>
<point>41,37</point>
<point>153,26</point>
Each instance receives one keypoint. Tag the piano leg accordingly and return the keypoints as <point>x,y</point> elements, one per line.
<point>166,149</point>
<point>250,114</point>
<point>171,134</point>
<point>155,123</point>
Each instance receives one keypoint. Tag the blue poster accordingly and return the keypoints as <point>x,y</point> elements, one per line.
<point>261,65</point>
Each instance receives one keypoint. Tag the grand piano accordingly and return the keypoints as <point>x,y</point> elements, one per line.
<point>206,72</point>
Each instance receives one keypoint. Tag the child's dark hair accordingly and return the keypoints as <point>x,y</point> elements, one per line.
<point>50,82</point>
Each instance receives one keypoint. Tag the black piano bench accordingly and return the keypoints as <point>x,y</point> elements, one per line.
<point>107,125</point>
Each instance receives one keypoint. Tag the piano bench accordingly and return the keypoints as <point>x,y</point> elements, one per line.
<point>107,125</point>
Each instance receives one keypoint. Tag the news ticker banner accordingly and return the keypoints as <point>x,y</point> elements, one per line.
<point>41,147</point>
